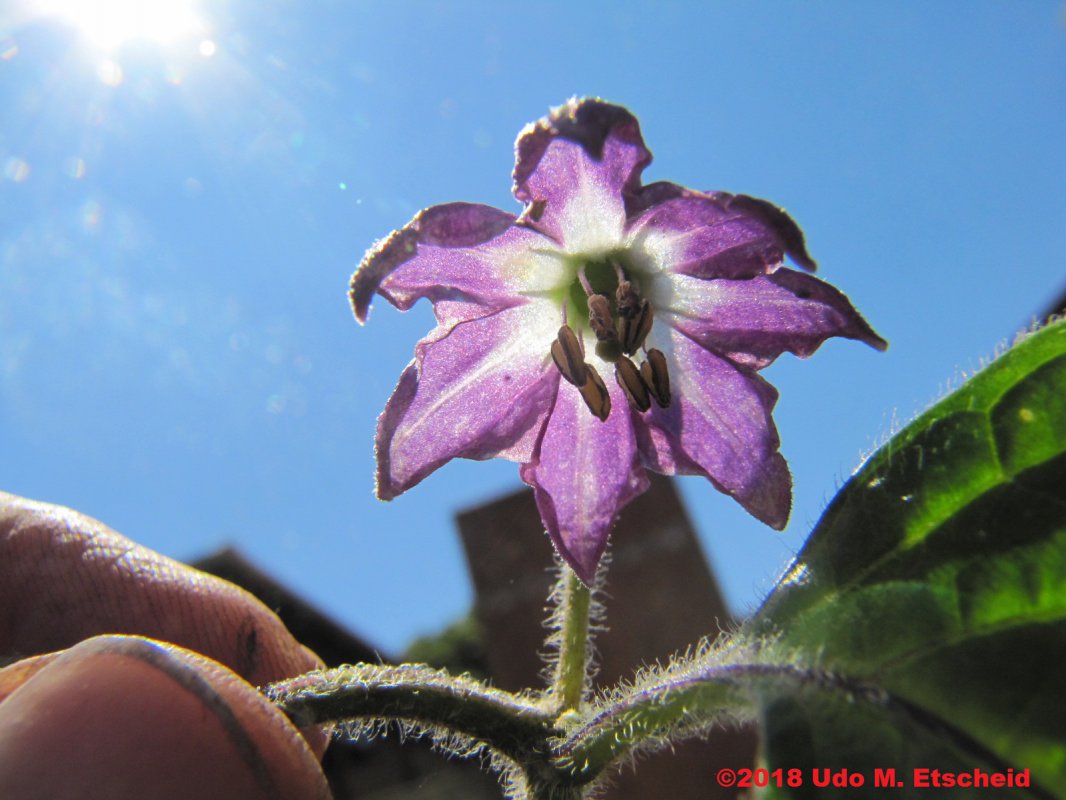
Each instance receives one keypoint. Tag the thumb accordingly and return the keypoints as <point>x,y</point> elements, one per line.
<point>133,718</point>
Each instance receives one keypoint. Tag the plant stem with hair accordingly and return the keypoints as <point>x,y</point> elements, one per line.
<point>571,672</point>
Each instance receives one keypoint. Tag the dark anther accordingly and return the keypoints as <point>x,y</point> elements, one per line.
<point>634,317</point>
<point>600,319</point>
<point>628,377</point>
<point>654,373</point>
<point>633,328</point>
<point>627,298</point>
<point>568,357</point>
<point>602,323</point>
<point>595,395</point>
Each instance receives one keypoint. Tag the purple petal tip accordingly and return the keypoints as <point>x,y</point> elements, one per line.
<point>788,232</point>
<point>589,122</point>
<point>450,225</point>
<point>770,500</point>
<point>379,261</point>
<point>583,562</point>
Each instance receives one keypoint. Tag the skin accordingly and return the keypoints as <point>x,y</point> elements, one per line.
<point>136,674</point>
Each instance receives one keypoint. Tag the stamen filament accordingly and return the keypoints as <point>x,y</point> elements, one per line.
<point>584,280</point>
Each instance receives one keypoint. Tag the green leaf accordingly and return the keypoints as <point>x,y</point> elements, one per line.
<point>938,574</point>
<point>862,744</point>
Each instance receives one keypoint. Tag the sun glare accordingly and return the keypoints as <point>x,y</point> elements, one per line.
<point>109,24</point>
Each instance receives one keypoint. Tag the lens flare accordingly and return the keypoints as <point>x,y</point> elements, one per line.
<point>109,24</point>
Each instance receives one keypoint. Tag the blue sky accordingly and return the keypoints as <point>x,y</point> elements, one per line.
<point>180,214</point>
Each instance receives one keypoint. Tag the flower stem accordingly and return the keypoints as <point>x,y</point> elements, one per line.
<point>462,716</point>
<point>555,792</point>
<point>440,704</point>
<point>571,673</point>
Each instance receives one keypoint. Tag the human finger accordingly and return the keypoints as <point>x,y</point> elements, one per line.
<point>65,577</point>
<point>134,718</point>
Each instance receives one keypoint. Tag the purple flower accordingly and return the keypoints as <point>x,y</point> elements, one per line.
<point>609,329</point>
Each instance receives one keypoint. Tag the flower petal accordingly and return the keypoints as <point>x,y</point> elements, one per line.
<point>712,235</point>
<point>583,473</point>
<point>718,425</point>
<point>784,227</point>
<point>575,169</point>
<point>753,321</point>
<point>478,390</point>
<point>454,252</point>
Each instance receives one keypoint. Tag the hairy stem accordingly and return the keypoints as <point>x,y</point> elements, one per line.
<point>571,673</point>
<point>659,711</point>
<point>554,791</point>
<point>417,694</point>
<point>462,716</point>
